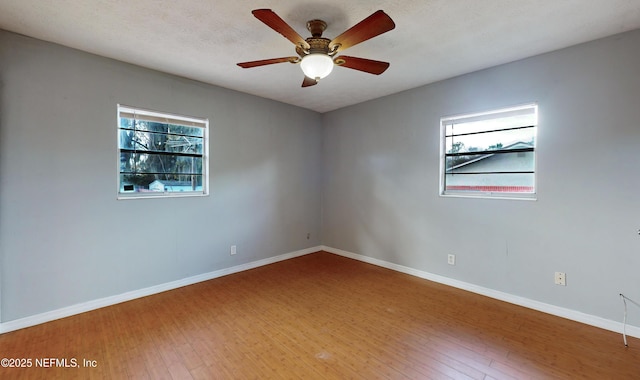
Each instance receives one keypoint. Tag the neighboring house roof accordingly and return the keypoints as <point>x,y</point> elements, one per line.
<point>515,145</point>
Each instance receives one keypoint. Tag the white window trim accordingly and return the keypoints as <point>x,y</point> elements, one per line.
<point>166,117</point>
<point>478,116</point>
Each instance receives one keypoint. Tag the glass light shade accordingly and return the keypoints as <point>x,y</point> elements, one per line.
<point>317,65</point>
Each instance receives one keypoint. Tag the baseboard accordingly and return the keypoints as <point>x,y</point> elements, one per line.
<point>502,296</point>
<point>573,315</point>
<point>128,296</point>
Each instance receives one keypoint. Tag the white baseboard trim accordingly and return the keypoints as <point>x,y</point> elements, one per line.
<point>128,296</point>
<point>573,315</point>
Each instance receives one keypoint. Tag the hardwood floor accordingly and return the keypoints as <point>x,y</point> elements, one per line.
<point>319,316</point>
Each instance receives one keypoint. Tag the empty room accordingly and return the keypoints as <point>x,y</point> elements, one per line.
<point>441,189</point>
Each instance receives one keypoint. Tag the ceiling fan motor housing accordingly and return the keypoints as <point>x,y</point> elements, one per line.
<point>317,45</point>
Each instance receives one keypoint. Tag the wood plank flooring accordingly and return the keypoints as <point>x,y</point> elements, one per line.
<point>320,316</point>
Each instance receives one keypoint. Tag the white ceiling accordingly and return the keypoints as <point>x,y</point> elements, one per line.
<point>203,40</point>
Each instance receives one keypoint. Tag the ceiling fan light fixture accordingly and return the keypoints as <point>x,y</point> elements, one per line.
<point>316,65</point>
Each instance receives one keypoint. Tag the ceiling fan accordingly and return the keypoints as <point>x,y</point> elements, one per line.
<point>316,54</point>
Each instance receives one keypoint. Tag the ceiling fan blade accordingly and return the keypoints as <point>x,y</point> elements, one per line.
<point>374,25</point>
<point>274,21</point>
<point>246,65</point>
<point>362,64</point>
<point>309,82</point>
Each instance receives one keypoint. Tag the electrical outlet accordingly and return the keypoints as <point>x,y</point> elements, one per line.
<point>451,259</point>
<point>308,235</point>
<point>560,278</point>
<point>233,249</point>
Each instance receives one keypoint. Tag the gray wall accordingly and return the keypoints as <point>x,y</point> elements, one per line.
<point>65,239</point>
<point>381,168</point>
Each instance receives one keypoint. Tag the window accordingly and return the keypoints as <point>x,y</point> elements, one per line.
<point>489,154</point>
<point>161,154</point>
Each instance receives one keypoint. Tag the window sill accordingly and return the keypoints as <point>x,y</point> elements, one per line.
<point>125,196</point>
<point>507,196</point>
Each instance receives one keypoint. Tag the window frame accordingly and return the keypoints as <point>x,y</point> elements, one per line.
<point>169,118</point>
<point>489,115</point>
